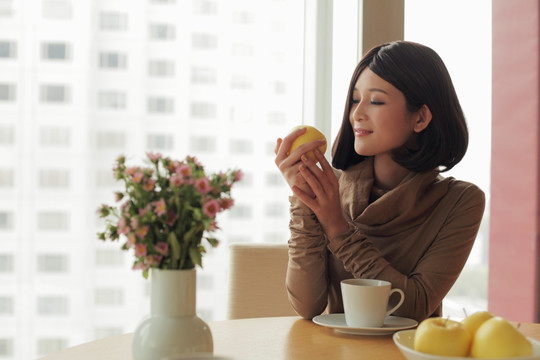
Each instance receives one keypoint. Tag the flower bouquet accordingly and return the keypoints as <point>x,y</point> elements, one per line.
<point>165,211</point>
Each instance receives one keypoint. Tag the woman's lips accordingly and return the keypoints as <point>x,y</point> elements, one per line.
<point>362,132</point>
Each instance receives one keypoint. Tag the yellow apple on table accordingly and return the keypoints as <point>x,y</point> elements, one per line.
<point>442,336</point>
<point>497,338</point>
<point>311,134</point>
<point>473,321</point>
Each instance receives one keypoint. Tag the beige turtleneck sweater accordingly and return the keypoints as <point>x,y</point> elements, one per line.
<point>418,236</point>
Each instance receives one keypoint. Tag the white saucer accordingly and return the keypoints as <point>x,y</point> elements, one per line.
<point>391,325</point>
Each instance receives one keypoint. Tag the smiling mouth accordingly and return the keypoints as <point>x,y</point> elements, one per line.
<point>362,132</point>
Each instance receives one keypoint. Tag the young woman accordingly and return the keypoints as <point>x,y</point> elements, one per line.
<point>383,211</point>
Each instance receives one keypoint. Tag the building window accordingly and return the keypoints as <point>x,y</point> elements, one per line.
<point>109,258</point>
<point>6,305</point>
<point>161,68</point>
<point>203,144</point>
<point>6,263</point>
<point>6,220</point>
<point>105,179</point>
<point>6,347</point>
<point>49,345</point>
<point>241,147</point>
<point>55,51</point>
<point>53,263</point>
<point>160,105</point>
<point>274,179</point>
<point>53,179</point>
<point>110,140</point>
<point>7,92</point>
<point>55,94</point>
<point>52,305</point>
<point>240,211</point>
<point>278,87</point>
<point>276,209</point>
<point>7,135</point>
<point>241,82</point>
<point>6,178</point>
<point>205,7</point>
<point>113,21</point>
<point>242,17</point>
<point>112,60</point>
<point>202,41</point>
<point>112,100</point>
<point>203,110</point>
<point>57,9</point>
<point>8,49</point>
<point>162,32</point>
<point>53,220</point>
<point>109,297</point>
<point>159,142</point>
<point>203,75</point>
<point>54,136</point>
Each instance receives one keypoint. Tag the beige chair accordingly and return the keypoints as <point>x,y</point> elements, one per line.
<point>257,281</point>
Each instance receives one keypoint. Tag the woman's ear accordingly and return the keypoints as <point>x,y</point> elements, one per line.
<point>423,118</point>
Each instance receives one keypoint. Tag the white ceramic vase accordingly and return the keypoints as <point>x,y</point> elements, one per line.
<point>173,328</point>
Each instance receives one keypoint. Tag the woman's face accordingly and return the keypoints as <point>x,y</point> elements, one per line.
<point>379,116</point>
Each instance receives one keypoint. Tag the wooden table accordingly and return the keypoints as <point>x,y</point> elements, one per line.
<point>267,338</point>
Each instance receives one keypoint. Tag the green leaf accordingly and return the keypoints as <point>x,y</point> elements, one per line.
<point>213,241</point>
<point>175,246</point>
<point>195,256</point>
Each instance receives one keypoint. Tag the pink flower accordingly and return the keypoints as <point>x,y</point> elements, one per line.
<point>134,223</point>
<point>160,207</point>
<point>184,170</point>
<point>140,266</point>
<point>149,185</point>
<point>171,218</point>
<point>226,203</point>
<point>146,209</point>
<point>211,208</point>
<point>154,157</point>
<point>131,170</point>
<point>140,250</point>
<point>152,260</point>
<point>213,226</point>
<point>177,180</point>
<point>238,175</point>
<point>141,232</point>
<point>123,228</point>
<point>203,185</point>
<point>162,248</point>
<point>131,239</point>
<point>137,177</point>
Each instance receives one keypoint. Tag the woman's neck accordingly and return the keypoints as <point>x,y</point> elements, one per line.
<point>387,173</point>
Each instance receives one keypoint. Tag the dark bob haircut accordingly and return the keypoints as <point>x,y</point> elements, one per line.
<point>420,74</point>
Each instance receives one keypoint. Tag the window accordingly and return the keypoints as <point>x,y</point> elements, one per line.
<point>113,21</point>
<point>203,110</point>
<point>161,68</point>
<point>205,144</point>
<point>7,92</point>
<point>112,100</point>
<point>6,178</point>
<point>105,179</point>
<point>8,49</point>
<point>6,306</point>
<point>55,94</point>
<point>52,305</point>
<point>112,60</point>
<point>203,41</point>
<point>54,136</point>
<point>53,179</point>
<point>7,135</point>
<point>159,142</point>
<point>205,7</point>
<point>242,17</point>
<point>49,345</point>
<point>203,75</point>
<point>276,209</point>
<point>241,82</point>
<point>241,147</point>
<point>53,263</point>
<point>109,297</point>
<point>53,220</point>
<point>6,347</point>
<point>110,140</point>
<point>6,220</point>
<point>57,9</point>
<point>162,32</point>
<point>6,263</point>
<point>273,179</point>
<point>6,8</point>
<point>109,258</point>
<point>55,51</point>
<point>160,105</point>
<point>241,211</point>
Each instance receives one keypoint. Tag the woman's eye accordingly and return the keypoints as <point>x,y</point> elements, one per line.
<point>355,101</point>
<point>375,102</point>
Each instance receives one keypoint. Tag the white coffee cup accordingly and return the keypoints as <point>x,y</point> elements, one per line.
<point>365,301</point>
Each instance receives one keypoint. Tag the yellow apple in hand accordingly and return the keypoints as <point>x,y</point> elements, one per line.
<point>311,134</point>
<point>444,337</point>
<point>473,321</point>
<point>497,338</point>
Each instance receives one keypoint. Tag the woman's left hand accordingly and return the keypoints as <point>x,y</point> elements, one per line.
<point>326,204</point>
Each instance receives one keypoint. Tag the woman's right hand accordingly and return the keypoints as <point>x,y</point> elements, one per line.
<point>288,164</point>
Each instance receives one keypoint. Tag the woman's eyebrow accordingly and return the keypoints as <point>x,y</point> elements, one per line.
<point>374,90</point>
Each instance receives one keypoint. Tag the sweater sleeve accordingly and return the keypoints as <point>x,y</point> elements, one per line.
<point>307,279</point>
<point>435,272</point>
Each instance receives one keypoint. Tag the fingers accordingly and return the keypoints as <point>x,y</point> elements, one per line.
<point>285,143</point>
<point>278,145</point>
